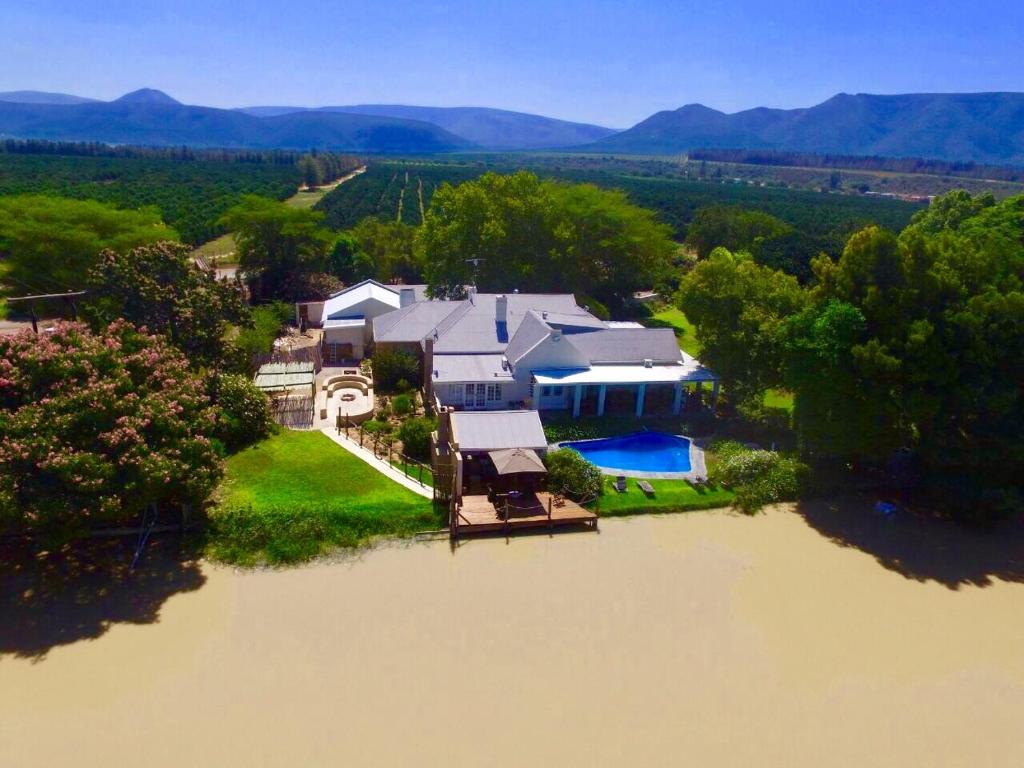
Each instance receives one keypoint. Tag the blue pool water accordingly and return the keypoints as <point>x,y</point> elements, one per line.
<point>640,452</point>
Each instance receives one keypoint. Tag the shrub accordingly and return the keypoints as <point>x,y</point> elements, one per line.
<point>415,436</point>
<point>244,411</point>
<point>376,426</point>
<point>391,366</point>
<point>570,473</point>
<point>267,322</point>
<point>757,477</point>
<point>401,405</point>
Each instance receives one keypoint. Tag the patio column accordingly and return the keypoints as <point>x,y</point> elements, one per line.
<point>601,392</point>
<point>641,391</point>
<point>714,394</point>
<point>677,398</point>
<point>577,397</point>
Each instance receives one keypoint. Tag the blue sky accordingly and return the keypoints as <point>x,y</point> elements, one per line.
<point>600,61</point>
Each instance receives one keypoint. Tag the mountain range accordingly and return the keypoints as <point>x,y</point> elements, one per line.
<point>978,127</point>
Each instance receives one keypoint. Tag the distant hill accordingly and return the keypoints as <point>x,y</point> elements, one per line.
<point>146,96</point>
<point>43,97</point>
<point>488,128</point>
<point>979,127</point>
<point>149,117</point>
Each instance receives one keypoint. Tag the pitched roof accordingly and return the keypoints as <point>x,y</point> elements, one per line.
<point>476,329</point>
<point>531,332</point>
<point>459,368</point>
<point>495,430</point>
<point>412,323</point>
<point>627,345</point>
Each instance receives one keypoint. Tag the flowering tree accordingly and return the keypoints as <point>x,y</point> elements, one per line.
<point>96,427</point>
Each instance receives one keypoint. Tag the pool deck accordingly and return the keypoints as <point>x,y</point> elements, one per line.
<point>698,467</point>
<point>478,515</point>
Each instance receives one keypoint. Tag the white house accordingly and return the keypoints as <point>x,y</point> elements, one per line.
<point>541,352</point>
<point>347,316</point>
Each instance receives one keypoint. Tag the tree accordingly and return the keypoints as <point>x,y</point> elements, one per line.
<point>49,244</point>
<point>507,232</point>
<point>738,308</point>
<point>277,243</point>
<point>732,228</point>
<point>95,427</point>
<point>160,287</point>
<point>385,251</point>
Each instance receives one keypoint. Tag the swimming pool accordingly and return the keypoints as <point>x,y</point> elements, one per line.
<point>655,452</point>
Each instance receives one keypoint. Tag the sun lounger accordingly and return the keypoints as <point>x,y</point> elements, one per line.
<point>620,484</point>
<point>646,488</point>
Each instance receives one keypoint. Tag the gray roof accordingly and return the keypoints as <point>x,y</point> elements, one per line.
<point>457,368</point>
<point>530,333</point>
<point>627,345</point>
<point>476,328</point>
<point>413,322</point>
<point>495,430</point>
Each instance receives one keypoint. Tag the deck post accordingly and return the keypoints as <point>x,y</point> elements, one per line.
<point>641,391</point>
<point>714,395</point>
<point>549,513</point>
<point>577,398</point>
<point>601,392</point>
<point>677,398</point>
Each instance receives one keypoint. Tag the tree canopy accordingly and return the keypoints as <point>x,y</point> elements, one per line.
<point>278,244</point>
<point>507,232</point>
<point>94,427</point>
<point>159,287</point>
<point>908,341</point>
<point>49,244</point>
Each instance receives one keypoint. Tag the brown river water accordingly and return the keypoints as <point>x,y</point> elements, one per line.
<point>697,639</point>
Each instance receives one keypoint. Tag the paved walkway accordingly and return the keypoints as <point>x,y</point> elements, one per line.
<point>381,465</point>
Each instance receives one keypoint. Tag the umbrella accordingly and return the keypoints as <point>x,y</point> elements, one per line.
<point>513,461</point>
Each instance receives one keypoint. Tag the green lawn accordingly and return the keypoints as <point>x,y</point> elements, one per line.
<point>777,398</point>
<point>297,495</point>
<point>685,332</point>
<point>669,496</point>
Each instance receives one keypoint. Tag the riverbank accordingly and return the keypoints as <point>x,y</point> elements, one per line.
<point>708,638</point>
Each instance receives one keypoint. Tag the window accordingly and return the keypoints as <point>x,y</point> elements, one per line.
<point>475,394</point>
<point>493,393</point>
<point>551,391</point>
<point>455,394</point>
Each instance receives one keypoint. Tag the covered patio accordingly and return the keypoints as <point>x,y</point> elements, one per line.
<point>631,389</point>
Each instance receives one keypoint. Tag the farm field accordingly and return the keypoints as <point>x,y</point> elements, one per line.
<point>387,186</point>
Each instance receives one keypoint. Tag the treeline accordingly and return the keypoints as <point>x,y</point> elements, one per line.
<point>181,154</point>
<point>968,170</point>
<point>905,354</point>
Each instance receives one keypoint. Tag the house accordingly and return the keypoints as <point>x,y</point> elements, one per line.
<point>346,317</point>
<point>541,352</point>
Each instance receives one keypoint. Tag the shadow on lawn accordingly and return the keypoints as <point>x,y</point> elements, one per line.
<point>923,548</point>
<point>77,593</point>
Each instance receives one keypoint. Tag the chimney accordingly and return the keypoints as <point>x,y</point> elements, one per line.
<point>406,296</point>
<point>501,309</point>
<point>428,371</point>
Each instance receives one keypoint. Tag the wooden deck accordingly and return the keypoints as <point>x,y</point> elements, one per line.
<point>478,515</point>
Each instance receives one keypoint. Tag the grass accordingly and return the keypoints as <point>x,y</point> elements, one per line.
<point>686,334</point>
<point>777,398</point>
<point>219,252</point>
<point>3,309</point>
<point>561,427</point>
<point>669,496</point>
<point>298,495</point>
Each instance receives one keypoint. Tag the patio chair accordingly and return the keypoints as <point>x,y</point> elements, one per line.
<point>620,484</point>
<point>646,487</point>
